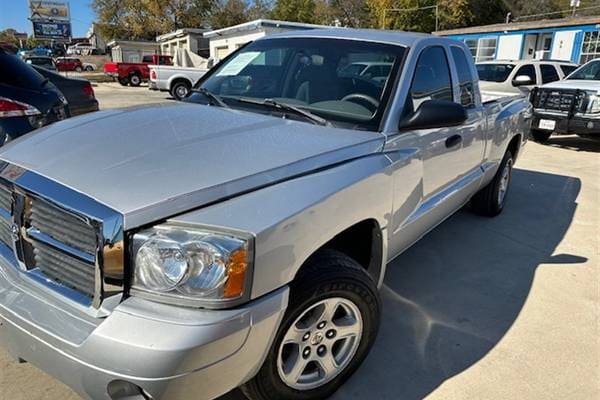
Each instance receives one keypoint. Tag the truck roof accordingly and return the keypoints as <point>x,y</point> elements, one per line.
<point>373,35</point>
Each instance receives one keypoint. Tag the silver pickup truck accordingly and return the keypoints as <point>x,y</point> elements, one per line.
<point>239,238</point>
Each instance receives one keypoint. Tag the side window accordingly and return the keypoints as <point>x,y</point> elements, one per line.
<point>549,73</point>
<point>147,59</point>
<point>432,77</point>
<point>568,69</point>
<point>527,70</point>
<point>465,77</point>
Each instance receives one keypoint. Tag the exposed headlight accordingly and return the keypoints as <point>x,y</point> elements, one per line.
<point>593,104</point>
<point>191,266</point>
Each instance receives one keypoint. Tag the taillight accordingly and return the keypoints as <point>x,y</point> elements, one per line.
<point>153,75</point>
<point>87,89</point>
<point>13,108</point>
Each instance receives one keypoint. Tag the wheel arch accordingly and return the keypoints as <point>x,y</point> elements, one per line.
<point>364,243</point>
<point>176,79</point>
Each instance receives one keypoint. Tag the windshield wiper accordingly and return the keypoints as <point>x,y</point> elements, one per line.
<point>211,96</point>
<point>286,107</point>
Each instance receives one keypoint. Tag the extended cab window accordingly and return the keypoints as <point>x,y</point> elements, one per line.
<point>549,73</point>
<point>432,77</point>
<point>465,78</point>
<point>527,70</point>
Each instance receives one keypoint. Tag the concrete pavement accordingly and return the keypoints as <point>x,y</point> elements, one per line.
<point>503,308</point>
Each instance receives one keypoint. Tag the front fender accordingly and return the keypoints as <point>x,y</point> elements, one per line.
<point>292,219</point>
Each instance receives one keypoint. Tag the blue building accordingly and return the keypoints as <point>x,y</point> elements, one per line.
<point>571,39</point>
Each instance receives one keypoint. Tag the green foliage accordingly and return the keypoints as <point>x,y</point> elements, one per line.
<point>295,10</point>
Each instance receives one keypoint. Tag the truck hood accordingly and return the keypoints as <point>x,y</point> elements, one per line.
<point>574,84</point>
<point>153,162</point>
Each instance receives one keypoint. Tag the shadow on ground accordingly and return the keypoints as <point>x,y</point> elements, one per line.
<point>575,143</point>
<point>451,298</point>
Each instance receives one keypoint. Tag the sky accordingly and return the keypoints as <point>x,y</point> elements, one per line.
<point>14,14</point>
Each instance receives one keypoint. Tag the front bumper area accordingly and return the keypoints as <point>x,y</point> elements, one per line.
<point>169,352</point>
<point>576,125</point>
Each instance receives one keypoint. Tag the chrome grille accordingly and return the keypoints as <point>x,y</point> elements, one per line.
<point>5,233</point>
<point>60,237</point>
<point>5,212</point>
<point>64,227</point>
<point>64,245</point>
<point>65,269</point>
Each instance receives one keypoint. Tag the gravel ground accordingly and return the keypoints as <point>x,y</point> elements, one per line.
<point>478,309</point>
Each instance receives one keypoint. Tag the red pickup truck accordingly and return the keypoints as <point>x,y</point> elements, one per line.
<point>135,73</point>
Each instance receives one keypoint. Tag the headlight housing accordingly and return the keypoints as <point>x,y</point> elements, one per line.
<point>593,103</point>
<point>192,266</point>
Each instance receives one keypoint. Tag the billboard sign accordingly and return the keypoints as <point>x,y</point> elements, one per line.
<point>51,30</point>
<point>42,10</point>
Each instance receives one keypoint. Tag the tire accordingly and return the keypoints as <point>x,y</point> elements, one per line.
<point>135,80</point>
<point>490,200</point>
<point>78,69</point>
<point>180,90</point>
<point>330,280</point>
<point>89,69</point>
<point>123,81</point>
<point>540,136</point>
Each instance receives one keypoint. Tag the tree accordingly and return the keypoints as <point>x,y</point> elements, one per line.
<point>295,10</point>
<point>230,12</point>
<point>145,19</point>
<point>351,13</point>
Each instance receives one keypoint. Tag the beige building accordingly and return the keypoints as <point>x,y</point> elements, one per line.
<point>226,40</point>
<point>130,51</point>
<point>190,39</point>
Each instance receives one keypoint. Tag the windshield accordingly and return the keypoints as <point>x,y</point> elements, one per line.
<point>321,76</point>
<point>494,72</point>
<point>588,72</point>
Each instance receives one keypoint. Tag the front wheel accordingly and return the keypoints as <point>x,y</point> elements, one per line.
<point>490,200</point>
<point>540,136</point>
<point>328,329</point>
<point>180,90</point>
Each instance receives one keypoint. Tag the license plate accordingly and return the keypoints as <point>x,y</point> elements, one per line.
<point>547,124</point>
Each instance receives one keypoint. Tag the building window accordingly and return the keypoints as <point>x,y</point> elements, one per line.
<point>482,49</point>
<point>591,47</point>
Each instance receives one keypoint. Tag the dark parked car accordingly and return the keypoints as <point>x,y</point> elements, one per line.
<point>79,92</point>
<point>40,61</point>
<point>27,100</point>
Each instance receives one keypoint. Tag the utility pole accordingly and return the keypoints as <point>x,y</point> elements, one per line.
<point>575,4</point>
<point>399,10</point>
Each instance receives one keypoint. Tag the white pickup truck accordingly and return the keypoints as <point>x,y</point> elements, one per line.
<point>176,80</point>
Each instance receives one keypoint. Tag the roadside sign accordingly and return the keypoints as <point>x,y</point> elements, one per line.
<point>42,10</point>
<point>51,30</point>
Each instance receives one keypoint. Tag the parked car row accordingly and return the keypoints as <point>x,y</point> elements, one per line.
<point>32,97</point>
<point>565,97</point>
<point>63,64</point>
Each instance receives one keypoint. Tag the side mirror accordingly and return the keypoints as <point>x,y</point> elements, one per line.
<point>523,80</point>
<point>435,114</point>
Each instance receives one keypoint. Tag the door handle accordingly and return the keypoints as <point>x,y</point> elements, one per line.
<point>453,140</point>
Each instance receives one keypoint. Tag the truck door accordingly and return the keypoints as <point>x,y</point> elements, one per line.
<point>450,156</point>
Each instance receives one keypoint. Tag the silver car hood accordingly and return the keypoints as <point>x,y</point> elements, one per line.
<point>154,162</point>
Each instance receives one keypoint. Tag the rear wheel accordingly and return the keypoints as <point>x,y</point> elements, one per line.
<point>540,136</point>
<point>328,329</point>
<point>491,199</point>
<point>135,80</point>
<point>180,89</point>
<point>123,81</point>
<point>89,68</point>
